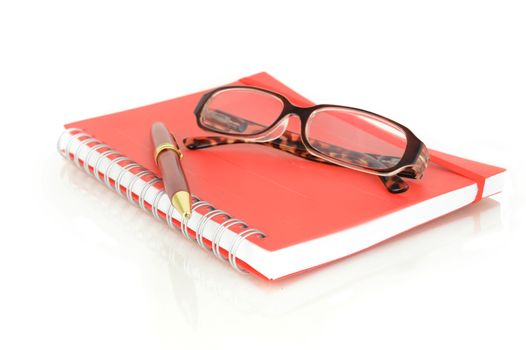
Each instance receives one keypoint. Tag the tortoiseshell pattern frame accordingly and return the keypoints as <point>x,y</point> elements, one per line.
<point>412,163</point>
<point>394,183</point>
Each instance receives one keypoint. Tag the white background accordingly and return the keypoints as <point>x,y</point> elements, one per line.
<point>82,269</point>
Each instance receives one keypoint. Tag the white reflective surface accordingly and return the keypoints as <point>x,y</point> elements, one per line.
<point>91,263</point>
<point>80,268</point>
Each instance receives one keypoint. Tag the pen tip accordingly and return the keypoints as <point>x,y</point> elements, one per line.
<point>182,203</point>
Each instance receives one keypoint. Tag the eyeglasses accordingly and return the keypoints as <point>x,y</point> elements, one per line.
<point>349,137</point>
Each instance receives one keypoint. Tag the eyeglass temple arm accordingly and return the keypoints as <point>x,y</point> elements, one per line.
<point>291,143</point>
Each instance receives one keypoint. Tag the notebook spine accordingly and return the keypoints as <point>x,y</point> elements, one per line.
<point>100,161</point>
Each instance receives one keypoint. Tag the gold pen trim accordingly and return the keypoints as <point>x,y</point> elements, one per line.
<point>167,146</point>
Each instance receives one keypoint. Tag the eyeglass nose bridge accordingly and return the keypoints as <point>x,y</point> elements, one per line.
<point>274,132</point>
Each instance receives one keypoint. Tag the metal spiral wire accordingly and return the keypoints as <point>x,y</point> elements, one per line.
<point>198,205</point>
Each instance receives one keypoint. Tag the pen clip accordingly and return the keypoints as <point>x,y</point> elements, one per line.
<point>177,148</point>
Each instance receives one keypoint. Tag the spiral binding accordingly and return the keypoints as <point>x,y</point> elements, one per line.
<point>195,205</point>
<point>110,166</point>
<point>145,189</point>
<point>207,211</point>
<point>202,224</point>
<point>88,156</point>
<point>125,169</point>
<point>237,242</point>
<point>218,234</point>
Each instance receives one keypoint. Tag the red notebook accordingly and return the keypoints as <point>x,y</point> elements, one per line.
<point>310,213</point>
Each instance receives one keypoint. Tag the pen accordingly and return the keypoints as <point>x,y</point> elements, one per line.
<point>168,158</point>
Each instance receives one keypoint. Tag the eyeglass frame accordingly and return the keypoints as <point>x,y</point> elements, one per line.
<point>412,163</point>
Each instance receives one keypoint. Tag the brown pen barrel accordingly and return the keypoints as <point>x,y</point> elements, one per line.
<point>169,162</point>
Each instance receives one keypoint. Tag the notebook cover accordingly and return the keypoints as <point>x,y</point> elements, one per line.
<point>289,198</point>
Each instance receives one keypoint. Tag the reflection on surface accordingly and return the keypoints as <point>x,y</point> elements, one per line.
<point>197,277</point>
